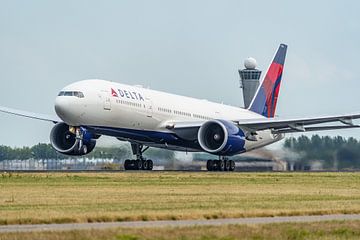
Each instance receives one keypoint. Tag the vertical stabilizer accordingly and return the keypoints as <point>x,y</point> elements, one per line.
<point>265,99</point>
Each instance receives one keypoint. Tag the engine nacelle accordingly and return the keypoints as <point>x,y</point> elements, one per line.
<point>221,137</point>
<point>68,142</point>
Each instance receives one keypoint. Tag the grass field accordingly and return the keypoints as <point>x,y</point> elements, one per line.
<point>90,197</point>
<point>297,231</point>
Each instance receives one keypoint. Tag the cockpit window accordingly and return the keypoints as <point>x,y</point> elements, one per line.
<point>71,93</point>
<point>79,94</point>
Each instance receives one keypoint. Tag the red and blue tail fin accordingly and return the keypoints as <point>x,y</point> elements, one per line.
<point>265,99</point>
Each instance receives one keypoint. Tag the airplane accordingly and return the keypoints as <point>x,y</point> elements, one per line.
<point>147,118</point>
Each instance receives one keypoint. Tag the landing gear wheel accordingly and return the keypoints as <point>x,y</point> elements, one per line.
<point>209,165</point>
<point>84,149</point>
<point>227,165</point>
<point>150,164</point>
<point>127,164</point>
<point>232,165</point>
<point>138,164</point>
<point>221,165</point>
<point>144,164</point>
<point>132,165</point>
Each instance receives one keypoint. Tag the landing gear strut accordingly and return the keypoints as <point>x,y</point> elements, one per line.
<point>140,163</point>
<point>223,164</point>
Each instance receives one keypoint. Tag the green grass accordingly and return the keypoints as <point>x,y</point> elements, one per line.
<point>99,197</point>
<point>296,231</point>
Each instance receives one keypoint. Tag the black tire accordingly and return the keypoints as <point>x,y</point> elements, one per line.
<point>215,166</point>
<point>132,165</point>
<point>227,165</point>
<point>84,149</point>
<point>232,165</point>
<point>127,164</point>
<point>138,164</point>
<point>221,165</point>
<point>209,165</point>
<point>144,165</point>
<point>150,165</point>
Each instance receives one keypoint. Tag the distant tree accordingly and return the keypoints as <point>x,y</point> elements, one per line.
<point>44,151</point>
<point>344,152</point>
<point>347,158</point>
<point>119,153</point>
<point>5,153</point>
<point>156,153</point>
<point>303,143</point>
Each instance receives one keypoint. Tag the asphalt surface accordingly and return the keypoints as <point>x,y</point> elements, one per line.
<point>180,223</point>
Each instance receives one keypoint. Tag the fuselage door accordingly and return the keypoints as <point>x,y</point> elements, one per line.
<point>149,107</point>
<point>106,100</point>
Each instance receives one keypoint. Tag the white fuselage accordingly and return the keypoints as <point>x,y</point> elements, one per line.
<point>120,106</point>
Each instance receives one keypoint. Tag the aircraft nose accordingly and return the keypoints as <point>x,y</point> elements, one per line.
<point>66,109</point>
<point>61,107</point>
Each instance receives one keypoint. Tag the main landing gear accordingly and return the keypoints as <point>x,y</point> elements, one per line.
<point>223,164</point>
<point>140,163</point>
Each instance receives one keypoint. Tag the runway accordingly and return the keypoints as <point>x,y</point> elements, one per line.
<point>179,223</point>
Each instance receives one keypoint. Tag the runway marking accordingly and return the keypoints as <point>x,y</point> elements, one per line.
<point>179,223</point>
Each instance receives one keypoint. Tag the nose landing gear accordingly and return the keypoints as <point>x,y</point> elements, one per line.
<point>140,163</point>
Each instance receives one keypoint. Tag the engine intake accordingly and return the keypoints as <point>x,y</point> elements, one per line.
<point>221,137</point>
<point>67,142</point>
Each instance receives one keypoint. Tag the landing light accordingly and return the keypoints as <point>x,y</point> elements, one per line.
<point>72,130</point>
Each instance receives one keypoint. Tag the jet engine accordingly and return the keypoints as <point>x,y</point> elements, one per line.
<point>74,141</point>
<point>221,137</point>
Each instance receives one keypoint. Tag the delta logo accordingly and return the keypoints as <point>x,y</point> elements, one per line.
<point>114,93</point>
<point>127,94</point>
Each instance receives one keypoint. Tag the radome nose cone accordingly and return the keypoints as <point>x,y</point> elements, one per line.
<point>68,109</point>
<point>61,107</point>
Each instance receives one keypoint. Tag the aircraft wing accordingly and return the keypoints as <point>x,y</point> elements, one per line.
<point>36,116</point>
<point>279,125</point>
<point>188,130</point>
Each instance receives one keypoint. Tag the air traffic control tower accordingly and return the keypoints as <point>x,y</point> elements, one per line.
<point>249,80</point>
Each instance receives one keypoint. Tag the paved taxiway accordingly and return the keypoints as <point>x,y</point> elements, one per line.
<point>180,223</point>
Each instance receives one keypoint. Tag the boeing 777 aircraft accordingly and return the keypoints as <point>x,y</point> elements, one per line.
<point>147,118</point>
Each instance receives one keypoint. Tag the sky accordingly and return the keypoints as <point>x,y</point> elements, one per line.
<point>191,48</point>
